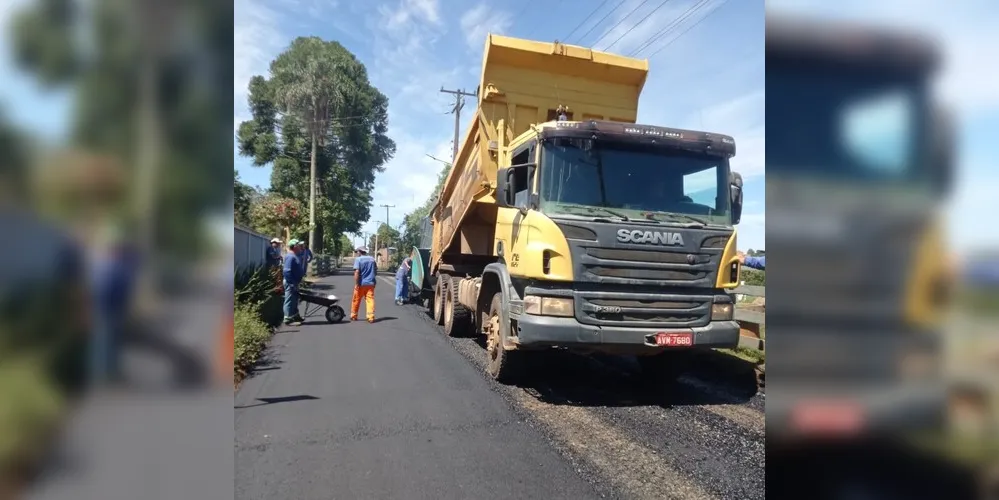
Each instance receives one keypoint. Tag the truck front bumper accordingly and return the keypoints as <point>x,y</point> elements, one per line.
<point>541,331</point>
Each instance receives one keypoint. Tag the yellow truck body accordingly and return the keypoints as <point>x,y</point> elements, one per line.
<point>537,103</point>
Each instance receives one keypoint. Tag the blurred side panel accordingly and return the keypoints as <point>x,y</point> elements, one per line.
<point>861,155</point>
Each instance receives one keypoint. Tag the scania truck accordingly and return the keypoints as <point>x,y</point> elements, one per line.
<point>564,223</point>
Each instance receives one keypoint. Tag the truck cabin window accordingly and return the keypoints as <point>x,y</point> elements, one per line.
<point>632,181</point>
<point>846,125</point>
<point>522,180</point>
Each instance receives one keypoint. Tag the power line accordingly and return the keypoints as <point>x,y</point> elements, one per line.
<point>639,23</point>
<point>600,21</point>
<point>594,11</point>
<point>626,16</point>
<point>699,21</point>
<point>670,27</point>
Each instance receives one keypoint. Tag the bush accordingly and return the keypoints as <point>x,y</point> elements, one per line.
<point>253,285</point>
<point>31,405</point>
<point>251,335</point>
<point>754,277</point>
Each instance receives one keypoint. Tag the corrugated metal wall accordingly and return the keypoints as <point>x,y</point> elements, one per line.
<point>248,247</point>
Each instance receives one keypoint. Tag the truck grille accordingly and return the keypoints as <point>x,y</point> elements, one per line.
<point>610,265</point>
<point>642,310</point>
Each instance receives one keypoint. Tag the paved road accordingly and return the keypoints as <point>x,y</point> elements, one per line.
<point>396,410</point>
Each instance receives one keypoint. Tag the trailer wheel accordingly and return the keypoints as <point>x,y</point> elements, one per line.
<point>506,367</point>
<point>456,316</point>
<point>438,302</point>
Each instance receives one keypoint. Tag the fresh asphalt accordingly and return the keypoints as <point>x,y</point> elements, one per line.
<point>384,410</point>
<point>395,409</point>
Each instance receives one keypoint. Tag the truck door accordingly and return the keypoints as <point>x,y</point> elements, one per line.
<point>511,229</point>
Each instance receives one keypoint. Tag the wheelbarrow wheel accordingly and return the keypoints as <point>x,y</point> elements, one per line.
<point>334,314</point>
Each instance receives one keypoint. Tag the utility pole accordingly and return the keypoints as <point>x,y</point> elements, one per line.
<point>459,102</point>
<point>387,207</point>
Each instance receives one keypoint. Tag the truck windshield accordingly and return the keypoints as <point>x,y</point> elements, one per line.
<point>629,181</point>
<point>845,125</point>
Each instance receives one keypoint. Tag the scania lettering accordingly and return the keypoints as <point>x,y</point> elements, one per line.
<point>658,238</point>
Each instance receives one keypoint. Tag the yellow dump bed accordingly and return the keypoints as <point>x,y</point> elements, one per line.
<point>523,83</point>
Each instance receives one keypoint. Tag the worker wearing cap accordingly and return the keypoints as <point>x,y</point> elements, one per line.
<point>274,253</point>
<point>364,284</point>
<point>293,274</point>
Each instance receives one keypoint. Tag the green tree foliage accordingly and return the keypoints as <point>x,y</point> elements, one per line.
<point>387,236</point>
<point>187,96</point>
<point>318,108</point>
<point>411,222</point>
<point>344,247</point>
<point>243,196</point>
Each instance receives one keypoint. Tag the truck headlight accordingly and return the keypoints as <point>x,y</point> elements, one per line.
<point>548,306</point>
<point>722,312</point>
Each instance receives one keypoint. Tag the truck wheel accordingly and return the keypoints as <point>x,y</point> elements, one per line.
<point>438,301</point>
<point>506,367</point>
<point>456,316</point>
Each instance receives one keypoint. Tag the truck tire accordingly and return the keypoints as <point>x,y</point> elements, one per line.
<point>438,301</point>
<point>506,367</point>
<point>456,316</point>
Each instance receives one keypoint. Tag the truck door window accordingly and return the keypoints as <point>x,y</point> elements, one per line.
<point>522,182</point>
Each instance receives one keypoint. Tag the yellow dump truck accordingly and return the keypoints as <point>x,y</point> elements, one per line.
<point>565,224</point>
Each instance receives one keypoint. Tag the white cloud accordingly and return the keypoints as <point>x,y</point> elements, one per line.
<point>409,11</point>
<point>256,41</point>
<point>481,20</point>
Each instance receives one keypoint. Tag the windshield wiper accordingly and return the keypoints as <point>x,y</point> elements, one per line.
<point>592,209</point>
<point>676,216</point>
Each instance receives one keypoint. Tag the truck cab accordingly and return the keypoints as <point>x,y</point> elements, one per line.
<point>619,237</point>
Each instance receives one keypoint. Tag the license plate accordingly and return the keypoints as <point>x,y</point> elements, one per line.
<point>827,417</point>
<point>674,339</point>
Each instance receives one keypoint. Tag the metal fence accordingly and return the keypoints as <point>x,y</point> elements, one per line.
<point>249,248</point>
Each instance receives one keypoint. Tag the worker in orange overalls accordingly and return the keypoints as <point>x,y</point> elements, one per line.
<point>364,284</point>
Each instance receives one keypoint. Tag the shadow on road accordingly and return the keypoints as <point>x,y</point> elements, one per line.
<point>706,377</point>
<point>285,399</point>
<point>564,378</point>
<point>385,318</point>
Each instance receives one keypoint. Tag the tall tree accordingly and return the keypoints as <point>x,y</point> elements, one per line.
<point>243,197</point>
<point>319,109</point>
<point>386,236</point>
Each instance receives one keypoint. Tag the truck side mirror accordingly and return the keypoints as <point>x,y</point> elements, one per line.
<point>735,192</point>
<point>942,153</point>
<point>504,195</point>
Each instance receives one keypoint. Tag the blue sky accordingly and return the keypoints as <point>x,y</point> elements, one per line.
<point>710,77</point>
